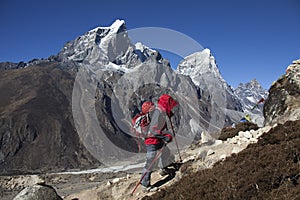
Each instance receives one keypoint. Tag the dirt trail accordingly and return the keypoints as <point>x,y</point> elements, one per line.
<point>121,188</point>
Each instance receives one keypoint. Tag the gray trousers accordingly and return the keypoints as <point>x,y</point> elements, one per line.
<point>164,160</point>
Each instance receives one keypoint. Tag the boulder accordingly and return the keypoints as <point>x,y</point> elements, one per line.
<point>38,192</point>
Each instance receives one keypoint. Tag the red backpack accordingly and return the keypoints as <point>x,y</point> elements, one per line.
<point>141,121</point>
<point>140,124</point>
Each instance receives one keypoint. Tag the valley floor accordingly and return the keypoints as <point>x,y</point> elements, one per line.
<point>254,164</point>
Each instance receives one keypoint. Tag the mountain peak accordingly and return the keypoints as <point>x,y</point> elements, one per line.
<point>249,94</point>
<point>255,83</point>
<point>107,47</point>
<point>199,63</point>
<point>207,51</point>
<point>204,54</point>
<point>116,27</point>
<point>99,45</point>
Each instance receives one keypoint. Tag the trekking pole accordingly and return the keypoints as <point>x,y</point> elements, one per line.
<point>147,171</point>
<point>175,139</point>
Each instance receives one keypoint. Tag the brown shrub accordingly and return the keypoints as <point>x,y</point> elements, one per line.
<point>229,132</point>
<point>269,169</point>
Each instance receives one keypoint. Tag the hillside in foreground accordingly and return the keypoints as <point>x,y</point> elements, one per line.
<point>268,169</point>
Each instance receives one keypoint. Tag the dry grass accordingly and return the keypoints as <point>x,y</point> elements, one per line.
<point>268,169</point>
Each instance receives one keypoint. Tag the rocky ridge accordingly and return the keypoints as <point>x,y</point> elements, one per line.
<point>283,103</point>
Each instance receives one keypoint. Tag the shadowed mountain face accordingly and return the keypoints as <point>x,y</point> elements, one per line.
<point>36,124</point>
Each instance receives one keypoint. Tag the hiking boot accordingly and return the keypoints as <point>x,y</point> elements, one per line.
<point>149,189</point>
<point>164,172</point>
<point>153,189</point>
<point>145,189</point>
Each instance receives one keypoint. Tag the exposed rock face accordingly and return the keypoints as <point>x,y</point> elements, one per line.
<point>283,103</point>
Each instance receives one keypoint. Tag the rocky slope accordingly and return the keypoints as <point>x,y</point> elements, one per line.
<point>283,103</point>
<point>259,164</point>
<point>266,169</point>
<point>36,126</point>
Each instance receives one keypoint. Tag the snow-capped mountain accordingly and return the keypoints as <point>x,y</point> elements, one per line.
<point>106,47</point>
<point>201,64</point>
<point>206,100</point>
<point>100,79</point>
<point>250,94</point>
<point>203,70</point>
<point>120,76</point>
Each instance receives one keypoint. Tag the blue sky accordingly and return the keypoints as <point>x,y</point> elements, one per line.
<point>249,39</point>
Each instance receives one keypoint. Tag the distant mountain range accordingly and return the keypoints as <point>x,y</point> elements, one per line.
<point>249,94</point>
<point>75,107</point>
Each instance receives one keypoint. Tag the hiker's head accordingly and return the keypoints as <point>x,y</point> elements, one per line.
<point>167,103</point>
<point>147,106</point>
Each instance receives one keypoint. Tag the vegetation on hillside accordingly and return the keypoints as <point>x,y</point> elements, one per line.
<point>269,169</point>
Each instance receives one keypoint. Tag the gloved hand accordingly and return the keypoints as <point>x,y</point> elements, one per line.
<point>167,132</point>
<point>167,138</point>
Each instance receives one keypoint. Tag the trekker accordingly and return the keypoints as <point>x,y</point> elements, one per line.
<point>247,118</point>
<point>158,136</point>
